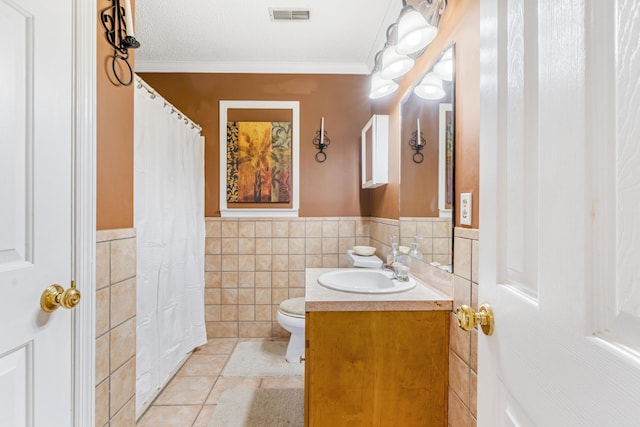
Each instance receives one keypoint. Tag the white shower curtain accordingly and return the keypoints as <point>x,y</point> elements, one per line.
<point>169,221</point>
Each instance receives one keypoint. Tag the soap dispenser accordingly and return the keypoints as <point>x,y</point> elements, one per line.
<point>393,256</point>
<point>415,251</point>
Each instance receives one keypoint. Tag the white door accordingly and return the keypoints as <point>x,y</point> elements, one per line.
<point>560,213</point>
<point>36,126</point>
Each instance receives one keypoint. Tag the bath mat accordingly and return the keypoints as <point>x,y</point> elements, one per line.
<point>261,359</point>
<point>263,407</point>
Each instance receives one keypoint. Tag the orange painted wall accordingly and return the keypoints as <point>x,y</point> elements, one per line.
<point>331,188</point>
<point>460,23</point>
<point>114,140</point>
<point>467,104</point>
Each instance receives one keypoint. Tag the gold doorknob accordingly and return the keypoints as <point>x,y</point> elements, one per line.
<point>55,296</point>
<point>468,318</point>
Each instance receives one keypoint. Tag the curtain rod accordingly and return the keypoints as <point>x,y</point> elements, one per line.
<point>142,84</point>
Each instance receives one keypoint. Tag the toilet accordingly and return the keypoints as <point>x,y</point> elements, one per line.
<point>291,312</point>
<point>291,317</point>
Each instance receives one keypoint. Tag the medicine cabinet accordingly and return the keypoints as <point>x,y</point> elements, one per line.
<point>375,151</point>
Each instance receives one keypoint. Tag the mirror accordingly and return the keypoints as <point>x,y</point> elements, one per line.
<point>427,163</point>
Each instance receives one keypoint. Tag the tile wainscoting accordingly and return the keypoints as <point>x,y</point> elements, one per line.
<point>463,353</point>
<point>434,243</point>
<point>115,328</point>
<point>253,264</point>
<point>434,234</point>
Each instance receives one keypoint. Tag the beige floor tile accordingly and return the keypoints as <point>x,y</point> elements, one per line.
<point>180,404</point>
<point>170,416</point>
<point>228,383</point>
<point>292,382</point>
<point>203,365</point>
<point>205,416</point>
<point>186,391</point>
<point>218,346</point>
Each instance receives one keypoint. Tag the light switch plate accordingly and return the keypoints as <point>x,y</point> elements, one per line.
<point>465,208</point>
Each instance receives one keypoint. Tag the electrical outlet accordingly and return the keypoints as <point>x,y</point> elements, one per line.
<point>465,208</point>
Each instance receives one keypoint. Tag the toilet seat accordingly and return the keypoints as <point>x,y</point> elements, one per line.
<point>293,307</point>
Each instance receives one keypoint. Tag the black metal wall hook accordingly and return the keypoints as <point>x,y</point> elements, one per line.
<point>113,20</point>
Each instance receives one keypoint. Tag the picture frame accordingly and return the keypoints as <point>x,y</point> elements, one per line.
<point>445,160</point>
<point>262,109</point>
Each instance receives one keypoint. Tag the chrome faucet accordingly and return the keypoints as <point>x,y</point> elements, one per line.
<point>394,270</point>
<point>388,267</point>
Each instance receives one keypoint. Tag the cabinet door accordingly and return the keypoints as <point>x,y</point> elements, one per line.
<point>375,152</point>
<point>377,368</point>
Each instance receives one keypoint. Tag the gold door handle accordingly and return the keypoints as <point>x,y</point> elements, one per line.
<point>55,296</point>
<point>468,318</point>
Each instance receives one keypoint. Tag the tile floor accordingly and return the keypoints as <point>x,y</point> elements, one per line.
<point>191,397</point>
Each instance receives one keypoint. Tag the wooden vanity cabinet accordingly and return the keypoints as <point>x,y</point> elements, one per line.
<point>376,368</point>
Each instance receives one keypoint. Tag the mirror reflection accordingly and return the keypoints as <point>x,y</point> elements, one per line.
<point>427,163</point>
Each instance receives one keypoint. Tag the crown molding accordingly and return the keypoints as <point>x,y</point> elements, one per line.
<point>142,66</point>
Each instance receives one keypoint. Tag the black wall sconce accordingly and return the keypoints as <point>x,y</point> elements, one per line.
<point>117,22</point>
<point>417,143</point>
<point>321,142</point>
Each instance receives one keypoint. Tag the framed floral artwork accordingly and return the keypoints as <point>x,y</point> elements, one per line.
<point>259,166</point>
<point>259,162</point>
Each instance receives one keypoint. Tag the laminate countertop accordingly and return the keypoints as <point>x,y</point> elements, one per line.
<point>421,298</point>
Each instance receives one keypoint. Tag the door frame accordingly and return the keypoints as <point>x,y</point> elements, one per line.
<point>84,210</point>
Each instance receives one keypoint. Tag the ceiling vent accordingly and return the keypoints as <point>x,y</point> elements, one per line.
<point>289,14</point>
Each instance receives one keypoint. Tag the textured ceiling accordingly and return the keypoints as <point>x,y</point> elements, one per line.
<point>342,36</point>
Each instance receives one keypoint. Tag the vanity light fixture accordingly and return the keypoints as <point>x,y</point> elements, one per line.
<point>394,64</point>
<point>407,38</point>
<point>444,67</point>
<point>430,87</point>
<point>417,143</point>
<point>117,22</point>
<point>321,142</point>
<point>381,87</point>
<point>414,32</point>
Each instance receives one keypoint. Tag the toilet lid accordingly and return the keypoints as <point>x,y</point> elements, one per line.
<point>293,307</point>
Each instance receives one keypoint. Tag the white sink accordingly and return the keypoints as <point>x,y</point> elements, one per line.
<point>364,281</point>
